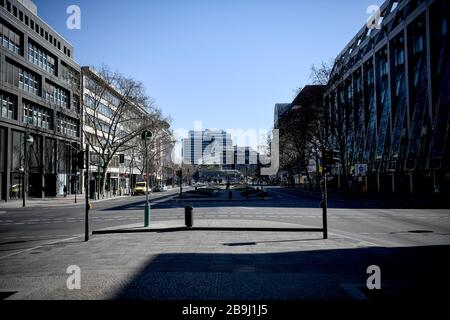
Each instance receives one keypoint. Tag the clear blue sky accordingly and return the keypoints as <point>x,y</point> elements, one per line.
<point>224,62</point>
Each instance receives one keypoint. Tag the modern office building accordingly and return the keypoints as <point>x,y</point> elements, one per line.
<point>390,95</point>
<point>208,147</point>
<point>39,104</point>
<point>245,158</point>
<point>279,111</point>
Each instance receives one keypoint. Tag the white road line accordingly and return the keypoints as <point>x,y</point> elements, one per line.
<point>37,247</point>
<point>353,291</point>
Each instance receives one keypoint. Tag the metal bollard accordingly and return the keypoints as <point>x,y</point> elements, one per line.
<point>189,216</point>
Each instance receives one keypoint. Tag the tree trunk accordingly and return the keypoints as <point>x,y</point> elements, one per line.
<point>308,177</point>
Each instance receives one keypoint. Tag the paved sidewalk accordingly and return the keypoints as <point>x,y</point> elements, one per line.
<point>217,265</point>
<point>53,202</point>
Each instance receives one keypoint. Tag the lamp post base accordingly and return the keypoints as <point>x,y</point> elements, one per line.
<point>146,215</point>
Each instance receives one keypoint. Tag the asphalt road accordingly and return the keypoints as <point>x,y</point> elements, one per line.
<point>23,229</point>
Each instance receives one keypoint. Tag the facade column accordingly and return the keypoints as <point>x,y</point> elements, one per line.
<point>411,181</point>
<point>393,182</point>
<point>378,181</point>
<point>8,163</point>
<point>42,167</point>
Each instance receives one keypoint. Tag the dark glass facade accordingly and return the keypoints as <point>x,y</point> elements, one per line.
<point>39,98</point>
<point>389,96</point>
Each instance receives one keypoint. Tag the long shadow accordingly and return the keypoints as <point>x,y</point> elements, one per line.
<point>292,198</point>
<point>137,204</point>
<point>414,273</point>
<point>217,229</point>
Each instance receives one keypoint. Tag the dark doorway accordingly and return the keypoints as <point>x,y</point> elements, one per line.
<point>50,185</point>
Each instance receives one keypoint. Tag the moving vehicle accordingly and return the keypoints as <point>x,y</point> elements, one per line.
<point>140,188</point>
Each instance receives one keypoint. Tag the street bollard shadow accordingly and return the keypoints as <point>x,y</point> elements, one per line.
<point>218,229</point>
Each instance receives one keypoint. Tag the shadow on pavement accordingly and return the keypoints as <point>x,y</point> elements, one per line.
<point>178,229</point>
<point>415,273</point>
<point>297,198</point>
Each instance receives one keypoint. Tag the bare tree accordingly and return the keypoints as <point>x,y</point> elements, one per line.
<point>117,111</point>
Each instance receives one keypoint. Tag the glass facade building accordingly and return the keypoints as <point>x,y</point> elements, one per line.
<point>39,98</point>
<point>389,95</point>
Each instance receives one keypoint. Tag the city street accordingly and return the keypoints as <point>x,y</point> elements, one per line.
<point>37,243</point>
<point>22,229</point>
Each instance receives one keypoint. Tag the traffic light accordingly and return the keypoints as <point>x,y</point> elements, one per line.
<point>329,158</point>
<point>78,160</point>
<point>179,173</point>
<point>121,158</point>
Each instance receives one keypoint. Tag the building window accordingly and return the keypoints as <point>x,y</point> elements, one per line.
<point>28,81</point>
<point>41,58</point>
<point>37,116</point>
<point>69,75</point>
<point>8,106</point>
<point>56,95</point>
<point>67,126</point>
<point>10,39</point>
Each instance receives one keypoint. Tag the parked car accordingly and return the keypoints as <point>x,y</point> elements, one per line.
<point>160,189</point>
<point>140,188</point>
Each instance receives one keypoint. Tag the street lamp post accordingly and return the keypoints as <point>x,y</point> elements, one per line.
<point>29,139</point>
<point>246,182</point>
<point>146,136</point>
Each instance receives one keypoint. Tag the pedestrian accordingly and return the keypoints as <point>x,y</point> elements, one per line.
<point>65,191</point>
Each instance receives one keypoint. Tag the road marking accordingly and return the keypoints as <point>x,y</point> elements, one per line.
<point>353,291</point>
<point>37,247</point>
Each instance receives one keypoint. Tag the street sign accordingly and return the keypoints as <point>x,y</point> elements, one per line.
<point>361,170</point>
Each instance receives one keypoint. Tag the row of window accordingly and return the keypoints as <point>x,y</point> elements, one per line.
<point>67,126</point>
<point>10,39</point>
<point>8,108</point>
<point>41,58</point>
<point>69,75</point>
<point>56,95</point>
<point>34,26</point>
<point>95,88</point>
<point>28,81</point>
<point>37,116</point>
<point>98,106</point>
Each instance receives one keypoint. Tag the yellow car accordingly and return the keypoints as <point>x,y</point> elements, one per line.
<point>140,188</point>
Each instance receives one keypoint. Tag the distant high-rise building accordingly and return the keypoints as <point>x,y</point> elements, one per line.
<point>208,147</point>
